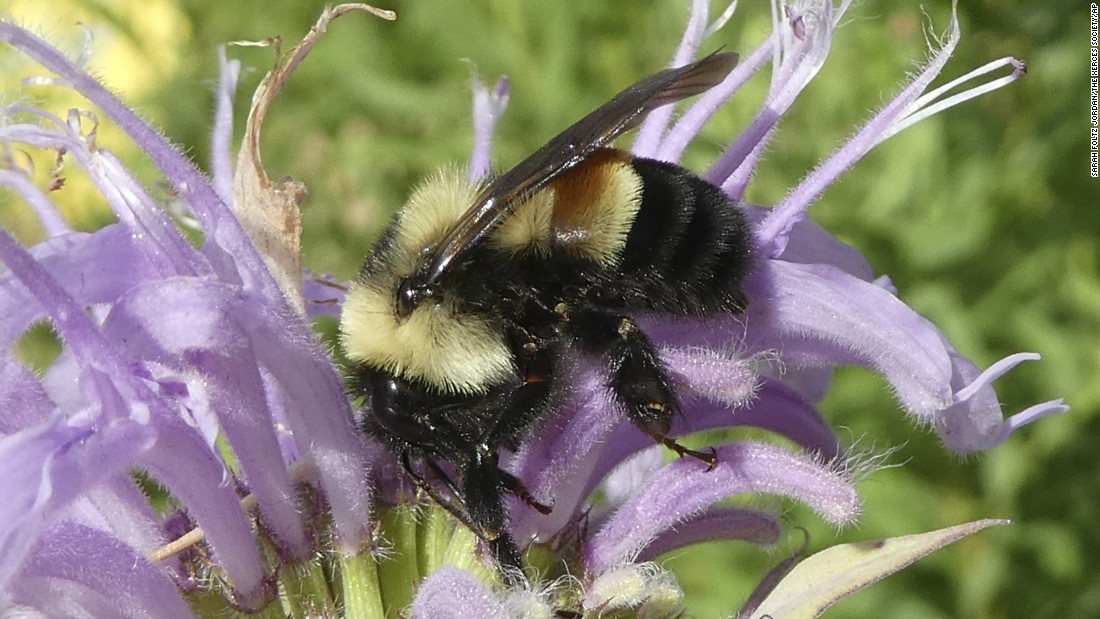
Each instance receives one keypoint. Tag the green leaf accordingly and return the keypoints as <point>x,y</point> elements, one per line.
<point>822,580</point>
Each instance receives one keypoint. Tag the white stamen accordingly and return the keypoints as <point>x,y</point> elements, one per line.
<point>927,106</point>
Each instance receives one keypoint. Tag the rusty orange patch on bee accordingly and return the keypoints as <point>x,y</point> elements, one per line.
<point>586,212</point>
<point>595,204</point>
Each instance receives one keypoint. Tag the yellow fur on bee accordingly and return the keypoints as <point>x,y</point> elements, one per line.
<point>452,351</point>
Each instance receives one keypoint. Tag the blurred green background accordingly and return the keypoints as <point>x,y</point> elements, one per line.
<point>985,217</point>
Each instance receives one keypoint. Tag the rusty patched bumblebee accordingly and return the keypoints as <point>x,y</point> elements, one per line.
<point>461,324</point>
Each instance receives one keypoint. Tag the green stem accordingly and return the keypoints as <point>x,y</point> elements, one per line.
<point>398,573</point>
<point>305,591</point>
<point>362,597</point>
<point>436,529</point>
<point>463,553</point>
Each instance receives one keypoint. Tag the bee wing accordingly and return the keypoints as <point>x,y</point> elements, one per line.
<point>569,148</point>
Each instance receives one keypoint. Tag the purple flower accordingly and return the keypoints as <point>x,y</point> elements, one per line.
<point>814,305</point>
<point>196,365</point>
<point>169,349</point>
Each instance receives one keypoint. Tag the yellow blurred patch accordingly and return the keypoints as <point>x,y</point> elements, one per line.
<point>134,44</point>
<point>134,41</point>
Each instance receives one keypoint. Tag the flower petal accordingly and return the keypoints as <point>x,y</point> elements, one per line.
<point>684,487</point>
<point>719,376</point>
<point>191,324</point>
<point>646,588</point>
<point>689,125</point>
<point>93,268</point>
<point>326,434</point>
<point>119,399</point>
<point>23,401</point>
<point>655,124</point>
<point>119,507</point>
<point>776,407</point>
<point>974,421</point>
<point>228,248</point>
<point>819,315</point>
<point>75,567</point>
<point>160,240</point>
<point>570,442</point>
<point>488,108</point>
<point>452,593</point>
<point>626,478</point>
<point>772,233</point>
<point>221,157</point>
<point>809,243</point>
<point>186,466</point>
<point>804,40</point>
<point>44,467</point>
<point>715,524</point>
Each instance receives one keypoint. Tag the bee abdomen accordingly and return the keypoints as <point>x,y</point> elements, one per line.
<point>688,249</point>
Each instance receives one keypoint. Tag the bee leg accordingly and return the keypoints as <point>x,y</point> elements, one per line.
<point>456,507</point>
<point>516,487</point>
<point>638,378</point>
<point>483,493</point>
<point>708,457</point>
<point>478,502</point>
<point>519,409</point>
<point>478,507</point>
<point>484,482</point>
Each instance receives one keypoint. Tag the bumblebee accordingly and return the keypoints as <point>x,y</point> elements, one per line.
<point>462,322</point>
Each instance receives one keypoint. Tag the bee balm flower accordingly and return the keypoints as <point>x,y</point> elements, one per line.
<point>194,364</point>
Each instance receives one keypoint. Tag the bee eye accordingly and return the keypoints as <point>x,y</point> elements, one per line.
<point>410,295</point>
